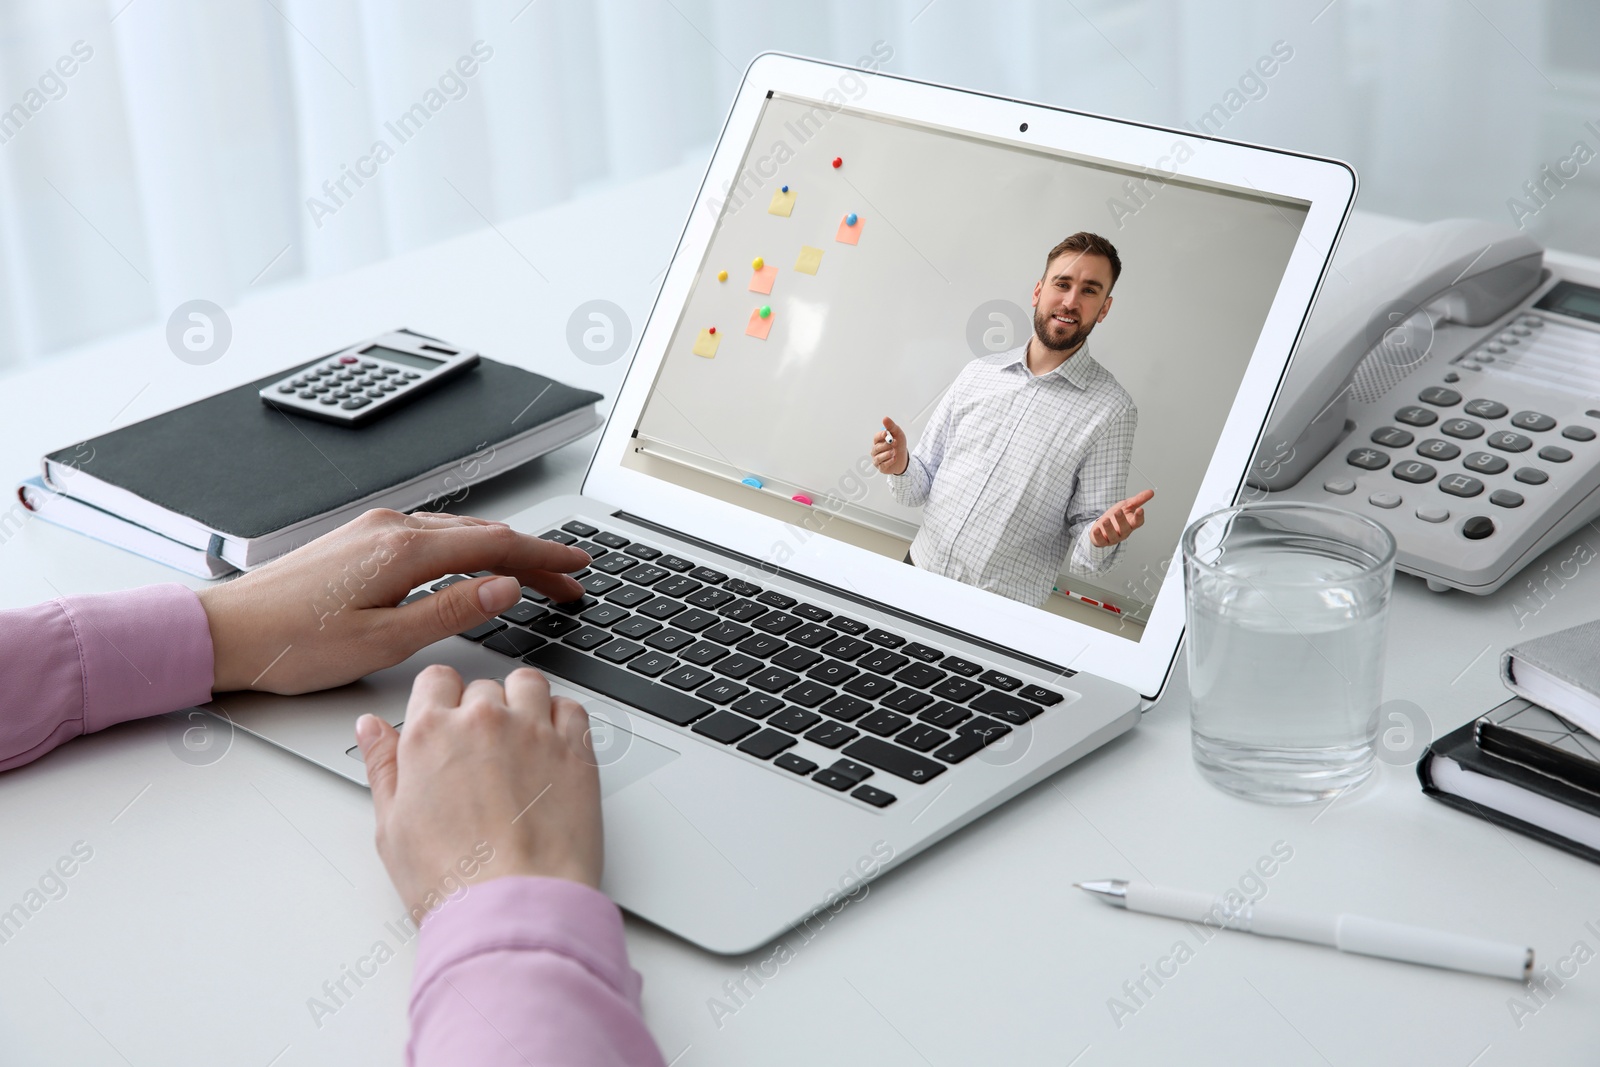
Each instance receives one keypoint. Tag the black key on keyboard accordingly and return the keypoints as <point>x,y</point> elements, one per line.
<point>702,653</point>
<point>618,650</point>
<point>609,539</point>
<point>882,662</point>
<point>604,614</point>
<point>483,629</point>
<point>852,770</point>
<point>832,779</point>
<point>762,645</point>
<point>811,635</point>
<point>870,686</point>
<point>900,762</point>
<point>686,677</point>
<point>738,665</point>
<point>774,599</point>
<point>773,680</point>
<point>587,637</point>
<point>740,587</point>
<point>420,593</point>
<point>629,596</point>
<point>643,551</point>
<point>832,672</point>
<point>845,708</point>
<point>922,737</point>
<point>885,638</point>
<point>917,650</point>
<point>884,723</point>
<point>694,620</point>
<point>999,681</point>
<point>618,684</point>
<point>845,648</point>
<point>637,627</point>
<point>560,537</point>
<point>710,598</point>
<point>990,730</point>
<point>963,667</point>
<point>554,626</point>
<point>669,640</point>
<point>725,726</point>
<point>523,611</point>
<point>1007,707</point>
<point>662,607</point>
<point>721,691</point>
<point>595,551</point>
<point>920,676</point>
<point>777,622</point>
<point>513,642</point>
<point>580,529</point>
<point>907,700</point>
<point>1036,693</point>
<point>808,694</point>
<point>757,705</point>
<point>957,689</point>
<point>645,573</point>
<point>599,584</point>
<point>767,743</point>
<point>742,610</point>
<point>849,626</point>
<point>678,586</point>
<point>676,564</point>
<point>794,659</point>
<point>812,612</point>
<point>794,720</point>
<point>831,734</point>
<point>945,714</point>
<point>579,606</point>
<point>706,574</point>
<point>729,633</point>
<point>615,564</point>
<point>652,663</point>
<point>876,797</point>
<point>445,583</point>
<point>790,762</point>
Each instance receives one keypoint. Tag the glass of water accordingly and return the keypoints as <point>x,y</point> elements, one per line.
<point>1287,606</point>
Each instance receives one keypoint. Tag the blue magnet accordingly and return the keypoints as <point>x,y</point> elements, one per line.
<point>754,483</point>
<point>850,219</point>
<point>786,188</point>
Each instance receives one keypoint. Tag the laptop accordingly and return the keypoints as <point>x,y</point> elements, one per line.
<point>784,705</point>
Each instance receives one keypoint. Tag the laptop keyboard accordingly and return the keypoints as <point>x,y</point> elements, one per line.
<point>758,670</point>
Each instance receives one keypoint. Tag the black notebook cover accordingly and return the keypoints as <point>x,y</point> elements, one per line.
<point>248,470</point>
<point>1460,745</point>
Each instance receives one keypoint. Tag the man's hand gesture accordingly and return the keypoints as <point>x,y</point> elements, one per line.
<point>890,457</point>
<point>1120,520</point>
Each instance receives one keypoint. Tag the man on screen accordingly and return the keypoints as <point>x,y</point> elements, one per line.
<point>1025,460</point>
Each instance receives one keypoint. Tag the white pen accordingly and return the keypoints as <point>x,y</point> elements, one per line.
<point>1348,933</point>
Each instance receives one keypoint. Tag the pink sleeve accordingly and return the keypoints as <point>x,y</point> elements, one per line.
<point>81,663</point>
<point>525,970</point>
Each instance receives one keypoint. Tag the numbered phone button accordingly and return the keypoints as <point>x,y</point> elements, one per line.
<point>1391,437</point>
<point>1434,448</point>
<point>1484,463</point>
<point>1412,415</point>
<point>1369,459</point>
<point>1506,441</point>
<point>1532,420</point>
<point>1465,429</point>
<point>1486,409</point>
<point>1439,396</point>
<point>1412,471</point>
<point>1461,485</point>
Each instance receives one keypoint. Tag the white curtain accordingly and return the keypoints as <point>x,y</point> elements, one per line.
<point>210,148</point>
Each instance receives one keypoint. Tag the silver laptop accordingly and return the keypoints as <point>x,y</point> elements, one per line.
<point>785,705</point>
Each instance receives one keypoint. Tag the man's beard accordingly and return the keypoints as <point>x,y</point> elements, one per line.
<point>1041,327</point>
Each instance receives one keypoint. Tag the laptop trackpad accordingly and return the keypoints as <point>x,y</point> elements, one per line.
<point>624,757</point>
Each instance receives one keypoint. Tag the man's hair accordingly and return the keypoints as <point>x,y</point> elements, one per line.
<point>1085,243</point>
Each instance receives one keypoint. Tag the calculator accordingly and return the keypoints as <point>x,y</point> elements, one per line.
<point>360,383</point>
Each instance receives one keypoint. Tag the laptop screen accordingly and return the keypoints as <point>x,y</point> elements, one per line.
<point>1003,365</point>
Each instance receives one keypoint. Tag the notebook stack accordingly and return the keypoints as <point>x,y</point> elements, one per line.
<point>1533,763</point>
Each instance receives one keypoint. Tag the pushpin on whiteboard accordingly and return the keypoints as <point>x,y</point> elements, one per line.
<point>722,275</point>
<point>801,498</point>
<point>837,162</point>
<point>757,263</point>
<point>754,483</point>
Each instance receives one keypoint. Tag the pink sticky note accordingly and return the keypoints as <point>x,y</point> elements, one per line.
<point>801,498</point>
<point>849,234</point>
<point>760,327</point>
<point>761,281</point>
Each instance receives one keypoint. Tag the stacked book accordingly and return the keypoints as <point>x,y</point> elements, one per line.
<point>1533,763</point>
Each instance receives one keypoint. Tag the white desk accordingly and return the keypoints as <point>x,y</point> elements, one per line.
<point>220,898</point>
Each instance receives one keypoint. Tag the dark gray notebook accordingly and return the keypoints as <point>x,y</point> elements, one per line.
<point>1560,671</point>
<point>248,482</point>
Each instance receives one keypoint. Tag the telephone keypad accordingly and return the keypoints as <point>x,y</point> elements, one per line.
<point>1412,415</point>
<point>1391,437</point>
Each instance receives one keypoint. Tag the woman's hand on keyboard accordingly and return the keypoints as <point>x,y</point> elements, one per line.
<point>502,779</point>
<point>326,613</point>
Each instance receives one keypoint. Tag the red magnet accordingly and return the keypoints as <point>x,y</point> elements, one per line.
<point>837,162</point>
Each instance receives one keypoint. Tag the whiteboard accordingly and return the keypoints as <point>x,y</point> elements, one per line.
<point>950,224</point>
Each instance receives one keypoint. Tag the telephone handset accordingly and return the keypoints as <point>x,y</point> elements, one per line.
<point>1451,391</point>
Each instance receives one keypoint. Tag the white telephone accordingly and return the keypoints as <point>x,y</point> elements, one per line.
<point>1465,386</point>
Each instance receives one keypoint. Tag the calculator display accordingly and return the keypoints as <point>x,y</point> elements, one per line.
<point>410,359</point>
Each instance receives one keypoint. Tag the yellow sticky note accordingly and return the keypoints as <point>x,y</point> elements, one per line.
<point>810,259</point>
<point>761,281</point>
<point>782,203</point>
<point>849,234</point>
<point>760,327</point>
<point>706,344</point>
